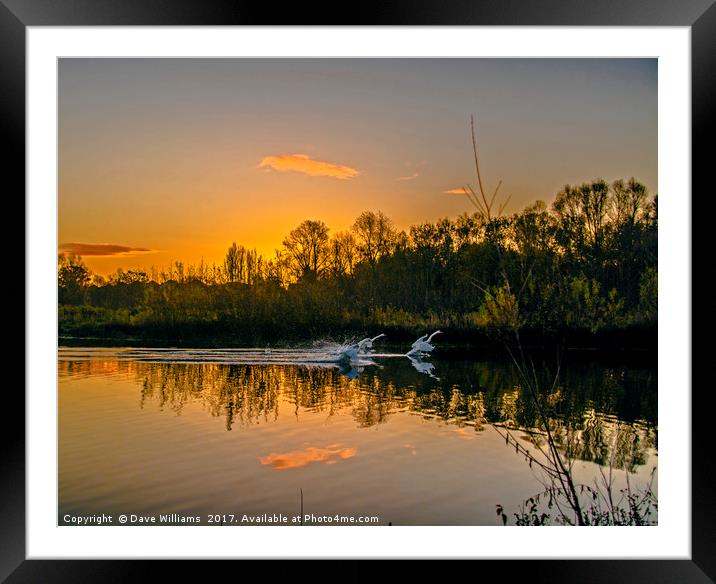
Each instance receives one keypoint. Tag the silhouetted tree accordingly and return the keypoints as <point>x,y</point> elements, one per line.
<point>72,278</point>
<point>232,263</point>
<point>375,235</point>
<point>307,246</point>
<point>588,262</point>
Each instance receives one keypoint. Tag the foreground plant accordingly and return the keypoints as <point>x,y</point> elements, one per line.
<point>632,507</point>
<point>574,503</point>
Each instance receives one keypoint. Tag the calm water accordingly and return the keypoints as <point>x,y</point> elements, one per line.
<point>199,432</point>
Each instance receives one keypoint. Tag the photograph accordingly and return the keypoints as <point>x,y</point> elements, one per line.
<point>357,291</point>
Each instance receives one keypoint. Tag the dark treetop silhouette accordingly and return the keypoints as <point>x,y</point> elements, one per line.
<point>585,267</point>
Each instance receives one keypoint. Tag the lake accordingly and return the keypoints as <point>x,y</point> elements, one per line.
<point>236,435</point>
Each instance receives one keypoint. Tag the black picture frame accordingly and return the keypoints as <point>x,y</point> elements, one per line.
<point>699,15</point>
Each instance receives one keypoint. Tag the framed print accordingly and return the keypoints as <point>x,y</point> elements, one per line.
<point>396,286</point>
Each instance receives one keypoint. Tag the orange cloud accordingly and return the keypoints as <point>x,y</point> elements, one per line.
<point>306,165</point>
<point>457,191</point>
<point>100,249</point>
<point>410,177</point>
<point>299,458</point>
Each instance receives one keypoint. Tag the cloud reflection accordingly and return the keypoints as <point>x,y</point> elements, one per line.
<point>299,458</point>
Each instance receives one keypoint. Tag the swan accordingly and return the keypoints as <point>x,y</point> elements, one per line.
<point>351,352</point>
<point>367,343</point>
<point>423,345</point>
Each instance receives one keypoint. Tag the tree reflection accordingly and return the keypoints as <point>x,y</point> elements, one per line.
<point>596,413</point>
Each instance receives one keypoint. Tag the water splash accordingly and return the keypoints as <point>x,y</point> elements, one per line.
<point>350,358</point>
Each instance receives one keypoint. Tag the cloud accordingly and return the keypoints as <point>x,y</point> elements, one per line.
<point>457,191</point>
<point>299,458</point>
<point>101,249</point>
<point>306,165</point>
<point>410,177</point>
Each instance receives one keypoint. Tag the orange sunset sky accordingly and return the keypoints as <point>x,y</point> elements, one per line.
<point>174,159</point>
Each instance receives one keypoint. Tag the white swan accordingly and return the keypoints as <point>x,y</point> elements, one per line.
<point>423,345</point>
<point>351,352</point>
<point>367,343</point>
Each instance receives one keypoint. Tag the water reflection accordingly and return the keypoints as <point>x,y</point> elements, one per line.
<point>598,413</point>
<point>422,366</point>
<point>298,458</point>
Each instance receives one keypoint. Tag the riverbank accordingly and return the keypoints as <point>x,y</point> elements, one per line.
<point>638,340</point>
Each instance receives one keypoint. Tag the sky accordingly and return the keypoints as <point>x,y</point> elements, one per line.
<point>175,159</point>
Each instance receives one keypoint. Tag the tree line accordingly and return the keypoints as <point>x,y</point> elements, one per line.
<point>588,262</point>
